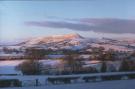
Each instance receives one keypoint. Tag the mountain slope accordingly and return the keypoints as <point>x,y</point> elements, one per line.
<point>51,39</point>
<point>75,42</point>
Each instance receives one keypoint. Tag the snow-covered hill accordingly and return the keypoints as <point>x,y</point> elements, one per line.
<point>68,41</point>
<point>75,42</point>
<point>51,39</point>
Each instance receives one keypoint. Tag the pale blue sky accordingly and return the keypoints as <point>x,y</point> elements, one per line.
<point>14,14</point>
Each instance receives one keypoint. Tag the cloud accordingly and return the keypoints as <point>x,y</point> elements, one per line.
<point>111,25</point>
<point>88,24</point>
<point>54,24</point>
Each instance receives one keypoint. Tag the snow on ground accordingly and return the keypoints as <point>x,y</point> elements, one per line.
<point>8,70</point>
<point>8,67</point>
<point>16,62</point>
<point>13,54</point>
<point>10,62</point>
<point>42,78</point>
<point>110,46</point>
<point>119,84</point>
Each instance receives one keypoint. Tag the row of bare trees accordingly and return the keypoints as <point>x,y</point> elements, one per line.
<point>73,64</point>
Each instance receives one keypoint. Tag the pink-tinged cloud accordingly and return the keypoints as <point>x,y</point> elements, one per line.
<point>88,24</point>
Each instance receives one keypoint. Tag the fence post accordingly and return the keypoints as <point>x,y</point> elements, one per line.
<point>36,82</point>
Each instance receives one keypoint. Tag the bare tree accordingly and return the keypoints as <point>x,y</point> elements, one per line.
<point>30,67</point>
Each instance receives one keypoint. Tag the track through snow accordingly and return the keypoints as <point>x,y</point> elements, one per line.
<point>119,84</point>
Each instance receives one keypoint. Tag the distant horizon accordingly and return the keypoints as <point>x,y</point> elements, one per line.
<point>93,19</point>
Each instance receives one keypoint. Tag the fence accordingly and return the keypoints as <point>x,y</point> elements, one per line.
<point>67,79</point>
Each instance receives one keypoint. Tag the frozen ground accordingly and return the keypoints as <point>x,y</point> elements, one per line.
<point>119,84</point>
<point>8,67</point>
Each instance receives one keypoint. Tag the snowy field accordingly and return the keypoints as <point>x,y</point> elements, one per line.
<point>8,67</point>
<point>119,84</point>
